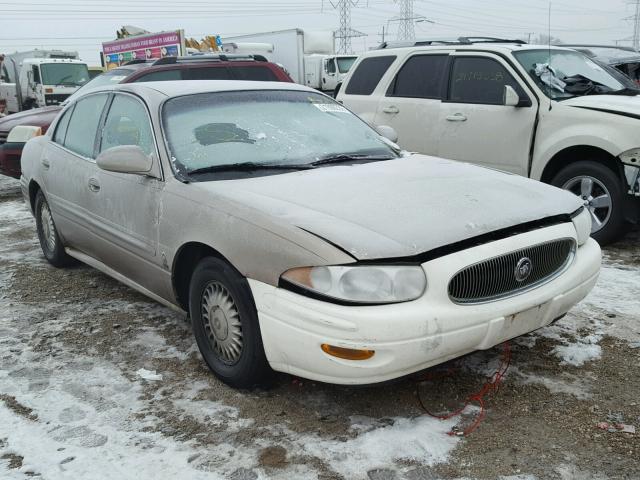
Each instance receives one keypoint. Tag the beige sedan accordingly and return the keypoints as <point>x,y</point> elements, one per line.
<point>298,238</point>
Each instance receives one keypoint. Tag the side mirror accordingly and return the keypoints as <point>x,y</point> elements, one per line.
<point>511,97</point>
<point>125,159</point>
<point>387,132</point>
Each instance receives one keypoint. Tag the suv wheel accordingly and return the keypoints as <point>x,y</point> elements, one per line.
<point>225,324</point>
<point>50,242</point>
<point>601,192</point>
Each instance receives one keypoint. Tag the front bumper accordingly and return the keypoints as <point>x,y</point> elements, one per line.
<point>412,336</point>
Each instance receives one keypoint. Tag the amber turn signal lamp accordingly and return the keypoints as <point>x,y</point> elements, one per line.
<point>347,353</point>
<point>48,90</point>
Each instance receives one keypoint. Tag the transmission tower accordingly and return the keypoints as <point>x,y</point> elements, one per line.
<point>345,33</point>
<point>406,29</point>
<point>636,26</point>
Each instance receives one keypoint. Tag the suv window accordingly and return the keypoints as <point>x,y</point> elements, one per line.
<point>208,73</point>
<point>480,80</point>
<point>420,77</point>
<point>263,74</point>
<point>161,76</point>
<point>61,129</point>
<point>367,75</point>
<point>81,132</point>
<point>127,124</point>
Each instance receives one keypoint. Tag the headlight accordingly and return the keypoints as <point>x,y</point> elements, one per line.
<point>369,284</point>
<point>582,222</point>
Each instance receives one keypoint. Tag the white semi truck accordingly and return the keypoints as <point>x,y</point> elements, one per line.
<point>308,57</point>
<point>40,78</point>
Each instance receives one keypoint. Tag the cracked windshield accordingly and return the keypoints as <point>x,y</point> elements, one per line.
<point>270,128</point>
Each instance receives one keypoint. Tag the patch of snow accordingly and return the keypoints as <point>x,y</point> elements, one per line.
<point>423,439</point>
<point>149,375</point>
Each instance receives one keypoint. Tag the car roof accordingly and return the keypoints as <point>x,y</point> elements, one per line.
<point>176,88</point>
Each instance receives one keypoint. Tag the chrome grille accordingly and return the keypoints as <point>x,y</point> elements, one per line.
<point>3,137</point>
<point>497,278</point>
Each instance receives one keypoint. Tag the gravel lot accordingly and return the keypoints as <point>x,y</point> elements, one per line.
<point>77,400</point>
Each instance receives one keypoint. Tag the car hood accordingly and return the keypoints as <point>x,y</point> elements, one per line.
<point>398,208</point>
<point>39,117</point>
<point>622,104</point>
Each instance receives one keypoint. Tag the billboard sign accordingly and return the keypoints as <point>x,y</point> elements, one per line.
<point>143,47</point>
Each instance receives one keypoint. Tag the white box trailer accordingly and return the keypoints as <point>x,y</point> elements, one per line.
<point>308,57</point>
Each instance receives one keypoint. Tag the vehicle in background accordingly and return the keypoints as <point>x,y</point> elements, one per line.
<point>548,113</point>
<point>94,71</point>
<point>625,59</point>
<point>297,237</point>
<point>40,78</point>
<point>309,57</point>
<point>201,67</point>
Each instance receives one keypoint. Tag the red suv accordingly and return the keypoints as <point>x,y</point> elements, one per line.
<point>197,67</point>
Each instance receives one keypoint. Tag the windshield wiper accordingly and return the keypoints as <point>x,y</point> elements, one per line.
<point>347,158</point>
<point>247,167</point>
<point>624,91</point>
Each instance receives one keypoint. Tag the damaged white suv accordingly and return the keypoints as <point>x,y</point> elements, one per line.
<point>551,114</point>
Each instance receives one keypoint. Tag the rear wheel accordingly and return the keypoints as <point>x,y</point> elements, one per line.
<point>601,192</point>
<point>225,324</point>
<point>50,242</point>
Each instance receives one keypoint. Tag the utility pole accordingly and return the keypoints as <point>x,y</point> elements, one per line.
<point>636,26</point>
<point>345,33</point>
<point>528,34</point>
<point>635,39</point>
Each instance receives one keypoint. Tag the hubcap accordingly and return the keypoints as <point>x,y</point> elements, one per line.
<point>221,322</point>
<point>595,197</point>
<point>48,230</point>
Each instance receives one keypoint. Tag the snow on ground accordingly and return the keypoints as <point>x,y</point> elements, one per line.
<point>73,410</point>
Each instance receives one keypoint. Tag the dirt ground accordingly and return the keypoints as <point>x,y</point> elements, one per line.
<point>74,402</point>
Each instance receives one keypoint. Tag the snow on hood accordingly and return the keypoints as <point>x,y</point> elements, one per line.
<point>398,208</point>
<point>613,103</point>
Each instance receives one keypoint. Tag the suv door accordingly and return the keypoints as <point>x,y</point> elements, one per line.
<point>68,174</point>
<point>128,205</point>
<point>412,101</point>
<point>475,125</point>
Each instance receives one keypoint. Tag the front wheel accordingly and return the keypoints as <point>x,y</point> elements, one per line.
<point>225,324</point>
<point>601,191</point>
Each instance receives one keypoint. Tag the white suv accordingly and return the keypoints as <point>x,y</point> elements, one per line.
<point>551,114</point>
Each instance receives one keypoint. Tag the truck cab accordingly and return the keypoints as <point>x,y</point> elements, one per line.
<point>40,82</point>
<point>325,72</point>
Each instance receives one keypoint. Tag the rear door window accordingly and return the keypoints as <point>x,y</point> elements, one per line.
<point>82,128</point>
<point>367,75</point>
<point>161,76</point>
<point>422,76</point>
<point>207,73</point>
<point>61,128</point>
<point>480,80</point>
<point>258,73</point>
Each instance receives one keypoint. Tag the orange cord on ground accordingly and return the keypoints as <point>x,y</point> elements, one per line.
<point>491,386</point>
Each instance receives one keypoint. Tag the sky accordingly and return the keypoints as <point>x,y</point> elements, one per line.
<point>81,25</point>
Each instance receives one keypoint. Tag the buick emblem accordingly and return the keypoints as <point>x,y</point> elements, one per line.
<point>523,269</point>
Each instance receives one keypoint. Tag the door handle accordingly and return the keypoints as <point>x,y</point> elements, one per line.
<point>458,117</point>
<point>45,163</point>
<point>391,109</point>
<point>94,186</point>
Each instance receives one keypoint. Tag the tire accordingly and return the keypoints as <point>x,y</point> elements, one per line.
<point>596,185</point>
<point>225,324</point>
<point>50,241</point>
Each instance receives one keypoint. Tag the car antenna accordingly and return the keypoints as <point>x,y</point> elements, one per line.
<point>549,45</point>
